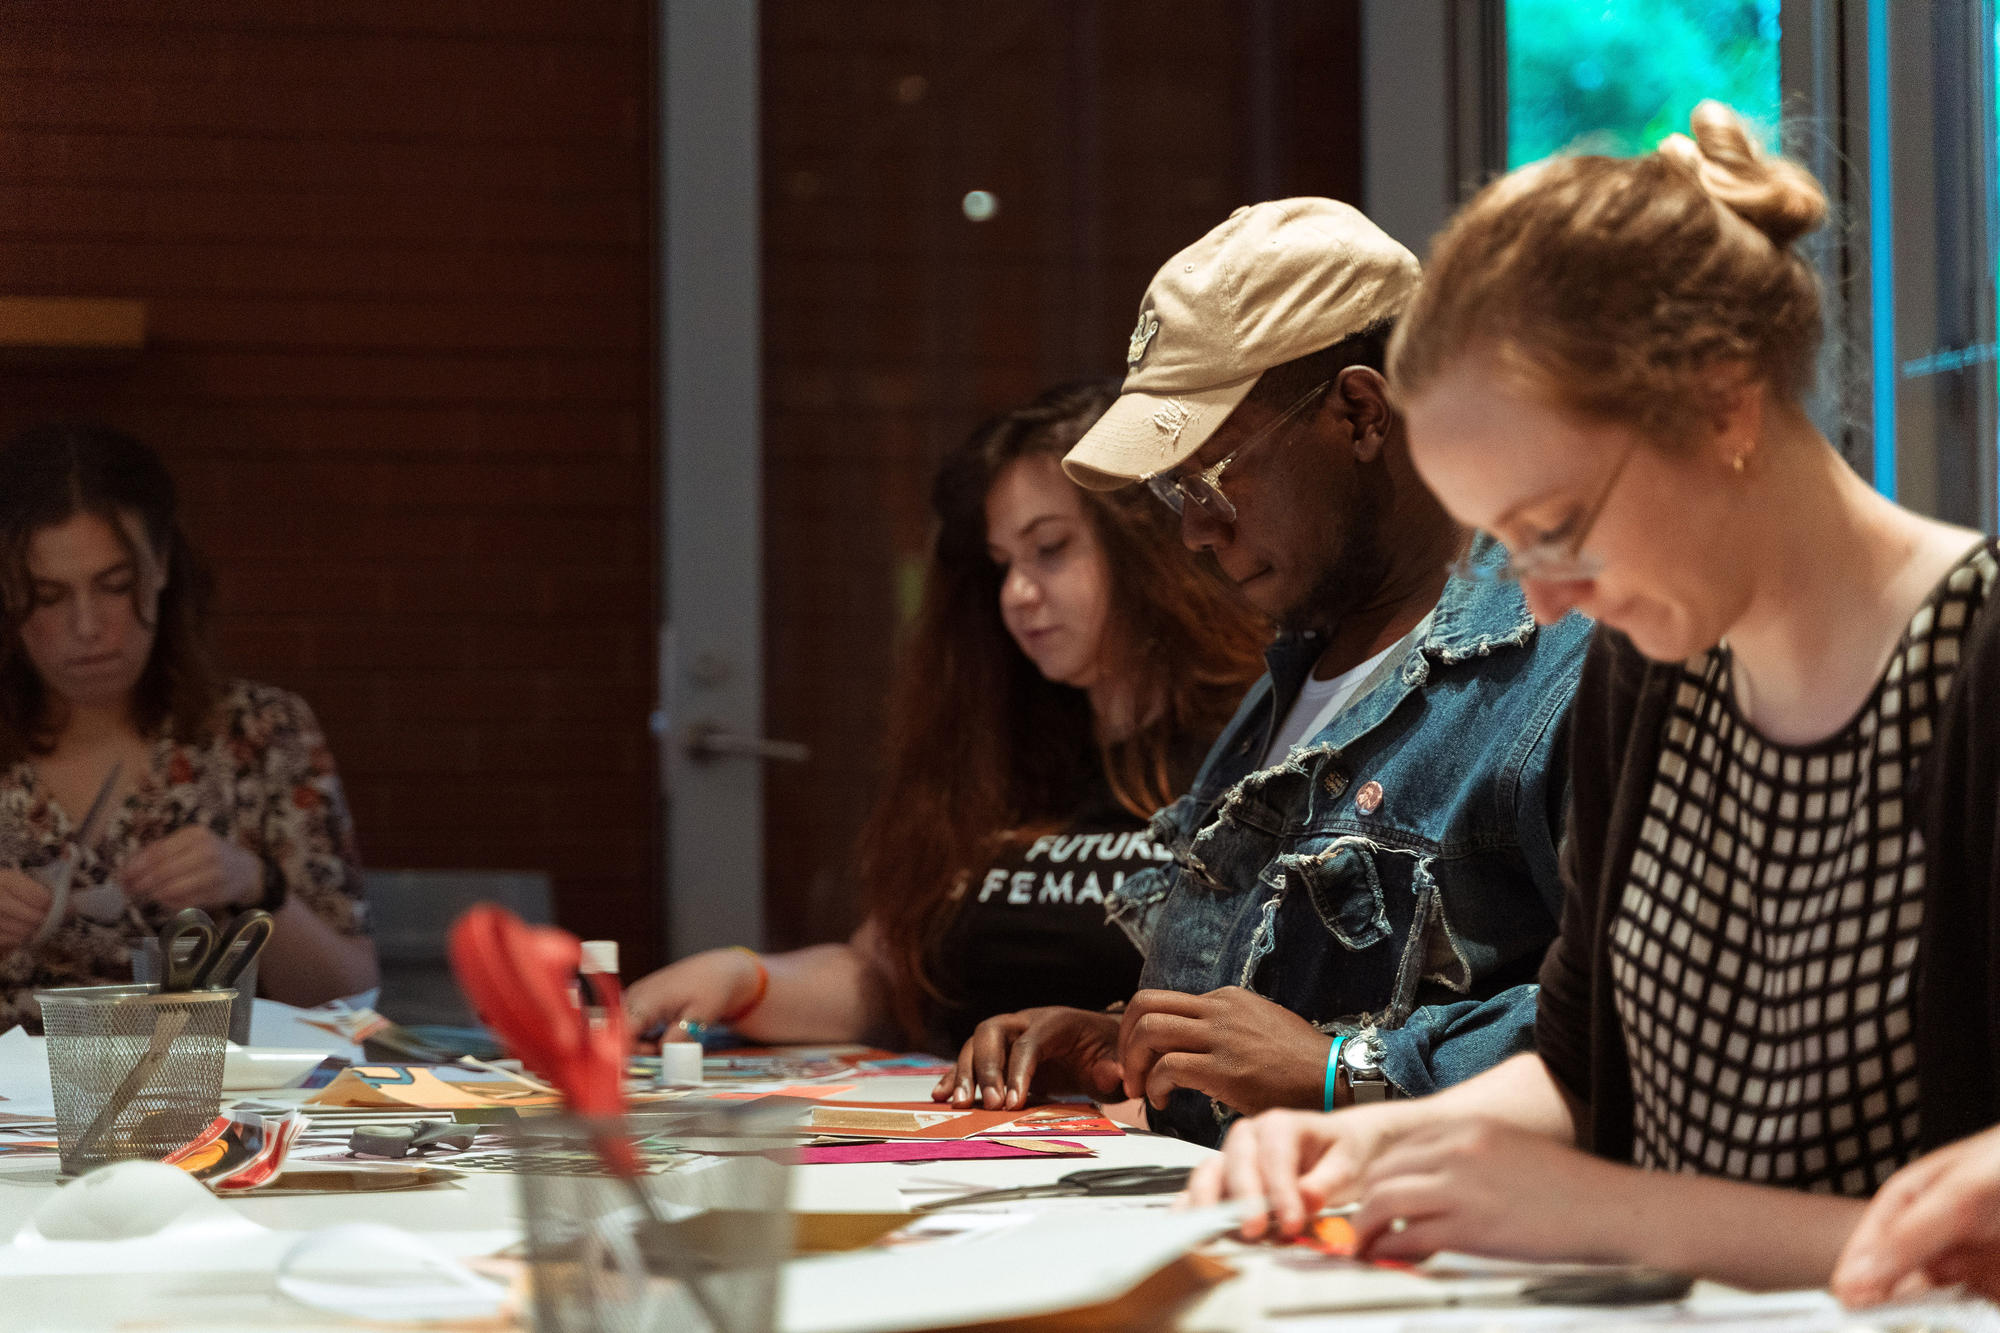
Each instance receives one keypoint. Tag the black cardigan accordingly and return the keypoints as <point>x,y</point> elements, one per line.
<point>1615,728</point>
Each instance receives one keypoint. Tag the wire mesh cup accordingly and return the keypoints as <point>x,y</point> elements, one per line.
<point>697,1244</point>
<point>135,1072</point>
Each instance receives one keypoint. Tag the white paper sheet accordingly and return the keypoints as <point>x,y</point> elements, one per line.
<point>283,1025</point>
<point>24,1075</point>
<point>1050,1264</point>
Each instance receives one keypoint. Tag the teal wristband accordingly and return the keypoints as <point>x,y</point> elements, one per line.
<point>1332,1069</point>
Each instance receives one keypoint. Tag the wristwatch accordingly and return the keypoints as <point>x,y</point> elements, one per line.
<point>1361,1069</point>
<point>276,888</point>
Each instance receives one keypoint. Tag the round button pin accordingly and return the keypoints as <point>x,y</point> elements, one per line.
<point>1369,799</point>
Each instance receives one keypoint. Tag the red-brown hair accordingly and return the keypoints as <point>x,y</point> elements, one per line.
<point>981,744</point>
<point>1610,286</point>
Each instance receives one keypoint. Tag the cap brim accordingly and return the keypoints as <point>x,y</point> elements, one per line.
<point>1144,433</point>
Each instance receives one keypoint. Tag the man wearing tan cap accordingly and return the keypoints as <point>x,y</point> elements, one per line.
<point>1364,875</point>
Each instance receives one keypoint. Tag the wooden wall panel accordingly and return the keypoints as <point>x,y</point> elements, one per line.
<point>1113,132</point>
<point>397,259</point>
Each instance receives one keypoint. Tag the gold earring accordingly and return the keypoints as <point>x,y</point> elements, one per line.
<point>1740,463</point>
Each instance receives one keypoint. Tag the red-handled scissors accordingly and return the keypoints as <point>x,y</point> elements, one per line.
<point>520,978</point>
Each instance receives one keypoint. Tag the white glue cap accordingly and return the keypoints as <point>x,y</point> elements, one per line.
<point>600,956</point>
<point>680,1062</point>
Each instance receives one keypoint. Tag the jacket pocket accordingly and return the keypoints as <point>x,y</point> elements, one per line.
<point>1345,890</point>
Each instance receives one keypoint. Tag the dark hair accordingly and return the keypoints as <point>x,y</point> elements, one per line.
<point>50,474</point>
<point>980,743</point>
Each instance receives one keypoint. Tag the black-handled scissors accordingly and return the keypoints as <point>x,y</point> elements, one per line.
<point>1103,1180</point>
<point>216,959</point>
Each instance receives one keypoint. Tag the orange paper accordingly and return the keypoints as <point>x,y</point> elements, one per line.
<point>420,1090</point>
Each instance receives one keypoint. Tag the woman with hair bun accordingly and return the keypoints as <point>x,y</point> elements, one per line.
<point>220,793</point>
<point>1778,977</point>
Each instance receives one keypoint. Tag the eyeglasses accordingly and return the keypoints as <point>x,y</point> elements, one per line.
<point>1558,558</point>
<point>1204,486</point>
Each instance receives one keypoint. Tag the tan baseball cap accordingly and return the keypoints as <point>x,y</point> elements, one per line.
<point>1276,281</point>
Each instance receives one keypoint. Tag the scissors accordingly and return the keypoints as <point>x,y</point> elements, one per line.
<point>57,874</point>
<point>1103,1180</point>
<point>216,959</point>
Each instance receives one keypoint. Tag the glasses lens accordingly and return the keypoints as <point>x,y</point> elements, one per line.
<point>1205,493</point>
<point>1166,490</point>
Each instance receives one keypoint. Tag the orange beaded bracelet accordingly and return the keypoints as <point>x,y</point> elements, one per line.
<point>763,986</point>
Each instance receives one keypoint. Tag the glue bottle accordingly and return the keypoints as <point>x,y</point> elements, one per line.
<point>600,960</point>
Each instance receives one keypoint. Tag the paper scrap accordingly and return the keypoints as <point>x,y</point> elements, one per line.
<point>418,1088</point>
<point>822,1154</point>
<point>814,1092</point>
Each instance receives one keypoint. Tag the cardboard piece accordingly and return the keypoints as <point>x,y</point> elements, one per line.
<point>414,1087</point>
<point>934,1120</point>
<point>931,1150</point>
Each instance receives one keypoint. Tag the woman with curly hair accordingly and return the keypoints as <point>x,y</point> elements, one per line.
<point>1068,668</point>
<point>222,794</point>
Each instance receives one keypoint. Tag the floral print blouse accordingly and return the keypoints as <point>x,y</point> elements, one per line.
<point>265,779</point>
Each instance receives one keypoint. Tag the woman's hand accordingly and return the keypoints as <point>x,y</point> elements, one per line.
<point>1298,1162</point>
<point>1936,1223</point>
<point>1482,1187</point>
<point>700,988</point>
<point>194,867</point>
<point>1062,1049</point>
<point>24,903</point>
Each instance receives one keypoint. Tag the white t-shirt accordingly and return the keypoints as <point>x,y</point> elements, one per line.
<point>1319,702</point>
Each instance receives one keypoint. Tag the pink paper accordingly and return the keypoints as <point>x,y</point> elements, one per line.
<point>919,1151</point>
<point>812,1092</point>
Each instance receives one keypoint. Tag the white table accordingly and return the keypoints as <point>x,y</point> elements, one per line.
<point>477,1202</point>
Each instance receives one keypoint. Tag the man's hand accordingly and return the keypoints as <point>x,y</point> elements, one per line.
<point>1241,1049</point>
<point>1936,1223</point>
<point>194,867</point>
<point>24,902</point>
<point>1052,1048</point>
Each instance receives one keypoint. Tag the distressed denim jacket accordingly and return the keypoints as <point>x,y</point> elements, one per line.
<point>1398,869</point>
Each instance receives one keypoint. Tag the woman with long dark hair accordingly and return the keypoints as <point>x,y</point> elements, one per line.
<point>1067,670</point>
<point>221,793</point>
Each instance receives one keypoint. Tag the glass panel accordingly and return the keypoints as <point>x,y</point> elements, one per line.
<point>1617,78</point>
<point>1931,76</point>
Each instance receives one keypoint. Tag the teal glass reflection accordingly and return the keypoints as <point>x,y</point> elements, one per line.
<point>1618,77</point>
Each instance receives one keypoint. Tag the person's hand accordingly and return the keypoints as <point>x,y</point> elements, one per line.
<point>1298,1162</point>
<point>1243,1050</point>
<point>1936,1223</point>
<point>1483,1187</point>
<point>700,988</point>
<point>1053,1048</point>
<point>193,867</point>
<point>24,903</point>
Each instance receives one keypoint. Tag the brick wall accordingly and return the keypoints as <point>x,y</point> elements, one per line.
<point>397,261</point>
<point>1113,132</point>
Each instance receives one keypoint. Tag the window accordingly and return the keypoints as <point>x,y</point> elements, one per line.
<point>1618,77</point>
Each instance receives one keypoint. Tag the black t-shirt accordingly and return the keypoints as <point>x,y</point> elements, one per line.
<point>1030,929</point>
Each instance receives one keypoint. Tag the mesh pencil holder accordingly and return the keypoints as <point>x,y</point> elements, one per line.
<point>136,1072</point>
<point>697,1246</point>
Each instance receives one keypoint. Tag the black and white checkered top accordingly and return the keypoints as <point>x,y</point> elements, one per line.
<point>1762,950</point>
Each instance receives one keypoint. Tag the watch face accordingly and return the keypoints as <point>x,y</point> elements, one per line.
<point>1361,1057</point>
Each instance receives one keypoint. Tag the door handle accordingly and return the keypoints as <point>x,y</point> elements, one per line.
<point>710,740</point>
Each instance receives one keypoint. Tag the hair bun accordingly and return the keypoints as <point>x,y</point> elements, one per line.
<point>1777,197</point>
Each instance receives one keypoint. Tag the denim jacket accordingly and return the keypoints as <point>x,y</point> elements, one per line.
<point>1398,869</point>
